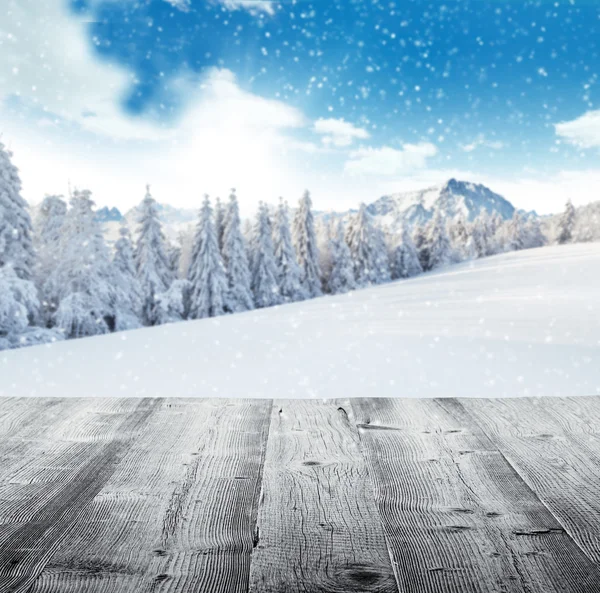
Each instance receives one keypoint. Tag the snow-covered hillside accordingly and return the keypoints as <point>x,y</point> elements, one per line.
<point>525,323</point>
<point>452,199</point>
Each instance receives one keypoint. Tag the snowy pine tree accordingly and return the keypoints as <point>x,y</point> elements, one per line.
<point>305,244</point>
<point>515,233</point>
<point>18,304</point>
<point>367,246</point>
<point>341,279</point>
<point>172,306</point>
<point>325,231</point>
<point>174,254</point>
<point>460,239</point>
<point>289,275</point>
<point>566,224</point>
<point>239,293</point>
<point>422,245</point>
<point>16,244</point>
<point>405,258</point>
<point>49,221</point>
<point>128,297</point>
<point>151,258</point>
<point>83,281</point>
<point>533,233</point>
<point>440,250</point>
<point>264,269</point>
<point>220,221</point>
<point>208,282</point>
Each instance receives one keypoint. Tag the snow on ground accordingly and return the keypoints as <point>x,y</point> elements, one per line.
<point>525,323</point>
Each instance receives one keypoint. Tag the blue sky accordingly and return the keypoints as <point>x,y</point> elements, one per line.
<point>352,99</point>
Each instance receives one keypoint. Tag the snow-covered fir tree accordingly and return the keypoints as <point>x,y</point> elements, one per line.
<point>83,283</point>
<point>369,253</point>
<point>16,243</point>
<point>18,306</point>
<point>48,225</point>
<point>440,249</point>
<point>264,269</point>
<point>128,292</point>
<point>208,281</point>
<point>422,245</point>
<point>341,279</point>
<point>515,233</point>
<point>239,293</point>
<point>172,305</point>
<point>483,235</point>
<point>460,238</point>
<point>174,255</point>
<point>534,235</point>
<point>305,244</point>
<point>151,257</point>
<point>325,231</point>
<point>566,224</point>
<point>220,217</point>
<point>289,275</point>
<point>405,258</point>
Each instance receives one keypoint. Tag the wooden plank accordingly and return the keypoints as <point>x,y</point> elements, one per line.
<point>554,444</point>
<point>456,514</point>
<point>58,486</point>
<point>318,528</point>
<point>179,512</point>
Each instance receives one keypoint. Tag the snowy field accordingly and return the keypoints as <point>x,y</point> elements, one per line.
<point>524,323</point>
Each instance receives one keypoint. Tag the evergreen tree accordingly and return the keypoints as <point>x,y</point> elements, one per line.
<point>289,275</point>
<point>18,299</point>
<point>422,245</point>
<point>174,255</point>
<point>516,234</point>
<point>367,246</point>
<point>239,294</point>
<point>483,235</point>
<point>208,281</point>
<point>324,232</point>
<point>440,250</point>
<point>128,292</point>
<point>460,238</point>
<point>566,224</point>
<point>341,279</point>
<point>533,233</point>
<point>173,305</point>
<point>264,269</point>
<point>151,259</point>
<point>49,222</point>
<point>83,282</point>
<point>405,258</point>
<point>220,221</point>
<point>16,244</point>
<point>305,243</point>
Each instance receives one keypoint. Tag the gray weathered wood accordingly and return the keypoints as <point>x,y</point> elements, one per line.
<point>554,444</point>
<point>51,489</point>
<point>318,528</point>
<point>456,514</point>
<point>179,512</point>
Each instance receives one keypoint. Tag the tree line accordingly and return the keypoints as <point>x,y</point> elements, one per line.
<point>60,279</point>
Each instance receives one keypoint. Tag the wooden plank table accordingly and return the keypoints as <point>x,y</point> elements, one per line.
<point>351,496</point>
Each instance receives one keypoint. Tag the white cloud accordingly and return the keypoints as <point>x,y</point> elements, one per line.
<point>481,140</point>
<point>338,132</point>
<point>389,161</point>
<point>583,131</point>
<point>251,5</point>
<point>183,5</point>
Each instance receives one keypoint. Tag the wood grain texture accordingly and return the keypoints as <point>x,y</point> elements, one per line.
<point>554,444</point>
<point>456,514</point>
<point>179,512</point>
<point>52,489</point>
<point>318,528</point>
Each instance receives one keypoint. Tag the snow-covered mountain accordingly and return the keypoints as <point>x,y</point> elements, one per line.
<point>453,198</point>
<point>107,214</point>
<point>391,212</point>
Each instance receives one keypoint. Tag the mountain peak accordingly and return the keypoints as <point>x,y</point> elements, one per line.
<point>453,198</point>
